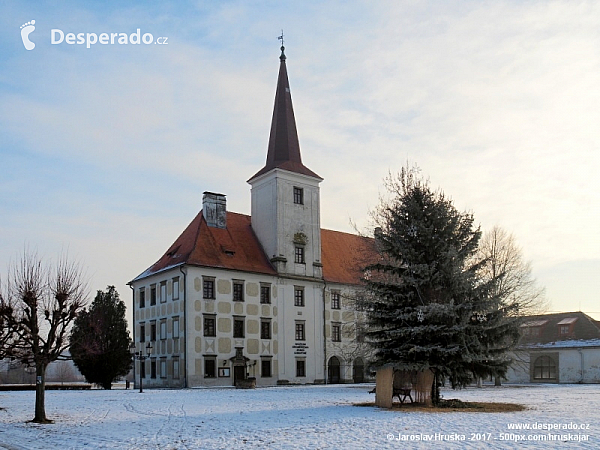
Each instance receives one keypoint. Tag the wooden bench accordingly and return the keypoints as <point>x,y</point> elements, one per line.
<point>402,393</point>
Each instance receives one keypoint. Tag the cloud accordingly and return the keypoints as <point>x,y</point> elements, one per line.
<point>497,102</point>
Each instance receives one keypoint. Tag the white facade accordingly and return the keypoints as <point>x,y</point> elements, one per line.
<point>238,297</point>
<point>175,326</point>
<point>577,362</point>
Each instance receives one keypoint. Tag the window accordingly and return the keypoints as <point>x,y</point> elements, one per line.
<point>265,329</point>
<point>175,368</point>
<point>238,327</point>
<point>299,331</point>
<point>208,288</point>
<point>143,369</point>
<point>163,292</point>
<point>142,297</point>
<point>163,367</point>
<point>336,335</point>
<point>153,331</point>
<point>142,332</point>
<point>298,296</point>
<point>176,288</point>
<point>335,299</point>
<point>238,291</point>
<point>544,368</point>
<point>163,329</point>
<point>563,329</point>
<point>209,326</point>
<point>300,368</point>
<point>153,368</point>
<point>299,255</point>
<point>298,196</point>
<point>210,365</point>
<point>175,327</point>
<point>265,368</point>
<point>153,295</point>
<point>265,293</point>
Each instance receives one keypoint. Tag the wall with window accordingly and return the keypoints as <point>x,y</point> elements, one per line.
<point>286,219</point>
<point>343,327</point>
<point>556,365</point>
<point>227,311</point>
<point>158,320</point>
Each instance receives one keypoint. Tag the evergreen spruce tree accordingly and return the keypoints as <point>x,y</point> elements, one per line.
<point>100,340</point>
<point>427,310</point>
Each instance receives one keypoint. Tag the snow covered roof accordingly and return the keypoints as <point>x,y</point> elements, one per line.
<point>535,323</point>
<point>567,321</point>
<point>567,344</point>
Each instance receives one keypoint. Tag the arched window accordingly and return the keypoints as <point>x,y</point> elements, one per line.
<point>544,368</point>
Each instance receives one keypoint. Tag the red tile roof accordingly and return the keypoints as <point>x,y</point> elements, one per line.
<point>583,328</point>
<point>344,255</point>
<point>237,248</point>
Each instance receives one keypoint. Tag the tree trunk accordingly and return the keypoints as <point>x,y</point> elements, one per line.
<point>40,394</point>
<point>435,389</point>
<point>497,381</point>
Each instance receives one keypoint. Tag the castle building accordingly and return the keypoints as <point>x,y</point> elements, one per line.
<point>269,297</point>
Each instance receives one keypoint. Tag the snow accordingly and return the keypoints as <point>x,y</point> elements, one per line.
<point>298,417</point>
<point>567,344</point>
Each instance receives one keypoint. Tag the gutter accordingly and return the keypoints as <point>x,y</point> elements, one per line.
<point>581,357</point>
<point>133,325</point>
<point>325,374</point>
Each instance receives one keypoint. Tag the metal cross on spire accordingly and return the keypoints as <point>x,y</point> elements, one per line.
<point>282,57</point>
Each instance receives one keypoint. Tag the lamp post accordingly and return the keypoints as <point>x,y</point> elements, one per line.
<point>141,358</point>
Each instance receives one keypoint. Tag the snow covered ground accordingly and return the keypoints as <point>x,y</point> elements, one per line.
<point>310,417</point>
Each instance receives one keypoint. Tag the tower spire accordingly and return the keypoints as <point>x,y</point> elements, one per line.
<point>284,147</point>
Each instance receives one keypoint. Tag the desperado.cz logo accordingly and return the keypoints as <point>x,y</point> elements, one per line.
<point>58,36</point>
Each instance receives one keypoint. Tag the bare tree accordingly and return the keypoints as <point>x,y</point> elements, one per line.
<point>503,261</point>
<point>40,305</point>
<point>515,286</point>
<point>7,333</point>
<point>63,371</point>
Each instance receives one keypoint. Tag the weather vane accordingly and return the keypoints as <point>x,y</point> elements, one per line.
<point>282,57</point>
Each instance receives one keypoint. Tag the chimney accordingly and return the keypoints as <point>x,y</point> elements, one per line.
<point>214,209</point>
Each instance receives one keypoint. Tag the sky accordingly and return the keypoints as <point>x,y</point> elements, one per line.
<point>106,149</point>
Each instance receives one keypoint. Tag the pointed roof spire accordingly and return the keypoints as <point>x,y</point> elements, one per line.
<point>284,147</point>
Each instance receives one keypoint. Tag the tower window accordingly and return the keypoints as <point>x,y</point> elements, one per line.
<point>298,296</point>
<point>299,255</point>
<point>298,196</point>
<point>300,336</point>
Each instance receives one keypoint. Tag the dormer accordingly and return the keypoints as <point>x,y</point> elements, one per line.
<point>566,327</point>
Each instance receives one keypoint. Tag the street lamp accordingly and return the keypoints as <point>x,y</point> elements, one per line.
<point>140,357</point>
